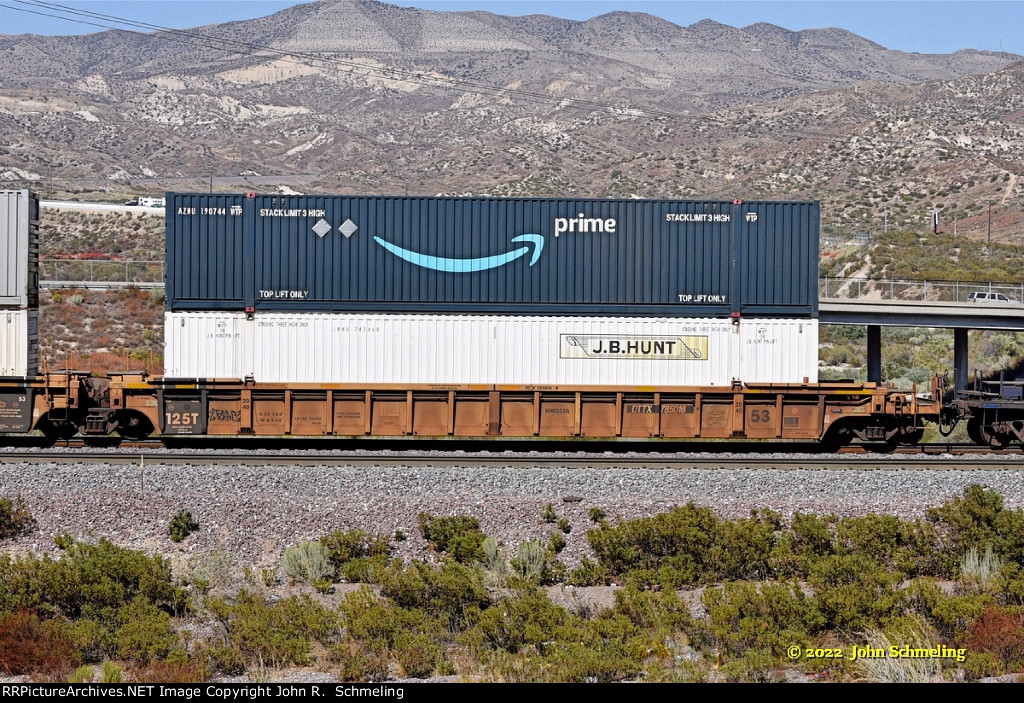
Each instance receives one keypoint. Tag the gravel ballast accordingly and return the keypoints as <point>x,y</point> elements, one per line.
<point>252,513</point>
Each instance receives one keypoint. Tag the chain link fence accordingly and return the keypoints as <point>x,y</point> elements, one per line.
<point>923,291</point>
<point>114,273</point>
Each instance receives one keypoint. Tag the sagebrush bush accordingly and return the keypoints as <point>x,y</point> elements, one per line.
<point>307,563</point>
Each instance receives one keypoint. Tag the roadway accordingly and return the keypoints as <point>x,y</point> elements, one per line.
<point>100,207</point>
<point>898,313</point>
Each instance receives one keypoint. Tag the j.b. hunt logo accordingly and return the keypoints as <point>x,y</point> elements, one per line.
<point>604,346</point>
<point>581,224</point>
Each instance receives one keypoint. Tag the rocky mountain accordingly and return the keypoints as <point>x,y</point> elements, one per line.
<point>361,96</point>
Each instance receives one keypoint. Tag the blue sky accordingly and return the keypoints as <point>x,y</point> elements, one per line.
<point>922,26</point>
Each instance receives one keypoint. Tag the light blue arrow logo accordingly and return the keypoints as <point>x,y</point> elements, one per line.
<point>438,263</point>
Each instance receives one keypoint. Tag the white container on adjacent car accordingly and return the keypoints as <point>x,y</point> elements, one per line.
<point>19,254</point>
<point>19,343</point>
<point>375,349</point>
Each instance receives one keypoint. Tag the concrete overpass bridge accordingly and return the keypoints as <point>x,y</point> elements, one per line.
<point>958,316</point>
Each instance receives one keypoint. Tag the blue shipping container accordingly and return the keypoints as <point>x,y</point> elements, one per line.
<point>491,255</point>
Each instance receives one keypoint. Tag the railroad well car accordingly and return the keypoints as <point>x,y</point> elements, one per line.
<point>366,316</point>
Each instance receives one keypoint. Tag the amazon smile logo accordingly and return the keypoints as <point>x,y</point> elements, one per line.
<point>438,263</point>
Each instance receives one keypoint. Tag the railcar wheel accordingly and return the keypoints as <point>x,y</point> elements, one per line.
<point>974,430</point>
<point>911,438</point>
<point>133,425</point>
<point>57,430</point>
<point>992,439</point>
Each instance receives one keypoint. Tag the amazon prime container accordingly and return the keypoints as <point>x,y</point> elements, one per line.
<point>19,249</point>
<point>512,256</point>
<point>19,343</point>
<point>374,349</point>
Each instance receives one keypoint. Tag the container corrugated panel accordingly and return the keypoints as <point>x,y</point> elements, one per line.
<point>778,351</point>
<point>19,343</point>
<point>494,255</point>
<point>493,349</point>
<point>207,345</point>
<point>209,262</point>
<point>19,249</point>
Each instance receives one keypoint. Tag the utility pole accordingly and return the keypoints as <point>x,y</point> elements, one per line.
<point>990,223</point>
<point>886,216</point>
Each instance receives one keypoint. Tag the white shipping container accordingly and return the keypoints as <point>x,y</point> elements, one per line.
<point>19,343</point>
<point>207,345</point>
<point>489,349</point>
<point>19,249</point>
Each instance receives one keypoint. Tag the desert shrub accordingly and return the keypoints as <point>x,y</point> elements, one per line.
<point>743,546</point>
<point>977,519</point>
<point>907,547</point>
<point>144,633</point>
<point>378,631</point>
<point>36,647</point>
<point>564,525</point>
<point>950,615</point>
<point>767,617</point>
<point>210,572</point>
<point>90,580</point>
<point>530,561</point>
<point>979,571</point>
<point>548,514</point>
<point>1000,634</point>
<point>182,525</point>
<point>978,665</point>
<point>855,592</point>
<point>808,538</point>
<point>306,563</point>
<point>754,666</point>
<point>494,565</point>
<point>556,542</point>
<point>356,555</point>
<point>457,535</point>
<point>685,546</point>
<point>526,637</point>
<point>663,612</point>
<point>526,618</point>
<point>451,592</point>
<point>597,514</point>
<point>276,635</point>
<point>226,658</point>
<point>588,573</point>
<point>15,517</point>
<point>76,299</point>
<point>588,662</point>
<point>83,674</point>
<point>680,539</point>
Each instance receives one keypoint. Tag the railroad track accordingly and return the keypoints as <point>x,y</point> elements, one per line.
<point>738,455</point>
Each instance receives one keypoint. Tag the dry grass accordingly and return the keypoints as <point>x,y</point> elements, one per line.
<point>106,331</point>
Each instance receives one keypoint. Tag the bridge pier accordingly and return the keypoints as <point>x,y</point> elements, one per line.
<point>960,361</point>
<point>874,353</point>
